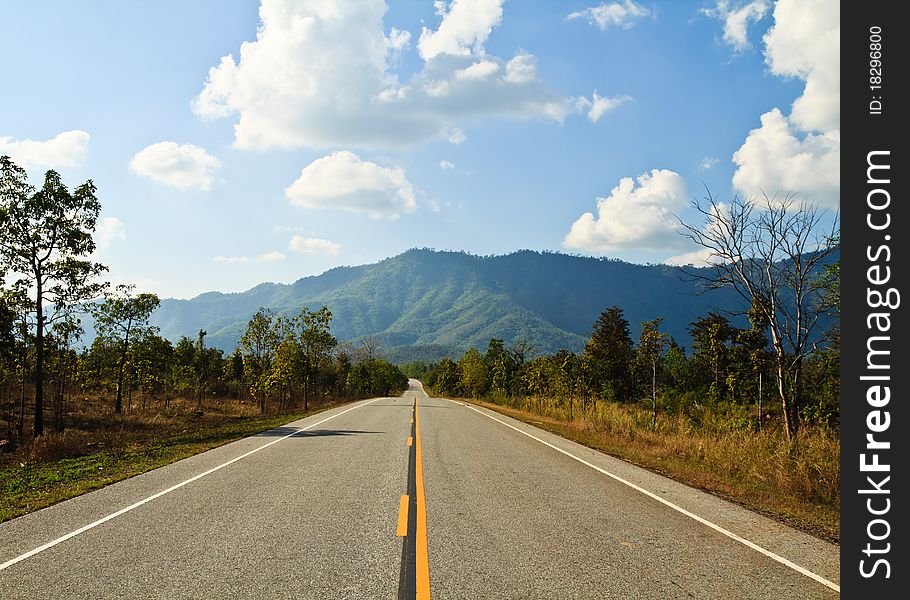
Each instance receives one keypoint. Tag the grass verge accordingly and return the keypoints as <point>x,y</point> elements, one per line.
<point>39,480</point>
<point>796,485</point>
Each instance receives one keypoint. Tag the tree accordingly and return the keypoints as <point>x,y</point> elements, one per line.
<point>473,373</point>
<point>47,237</point>
<point>770,251</point>
<point>710,336</point>
<point>609,351</point>
<point>316,342</point>
<point>257,346</point>
<point>652,345</point>
<point>123,317</point>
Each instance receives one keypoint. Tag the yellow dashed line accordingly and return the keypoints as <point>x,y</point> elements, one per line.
<point>402,517</point>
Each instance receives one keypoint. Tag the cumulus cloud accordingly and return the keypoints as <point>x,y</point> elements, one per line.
<point>457,136</point>
<point>314,246</point>
<point>446,165</point>
<point>736,17</point>
<point>634,216</point>
<point>612,14</point>
<point>343,181</point>
<point>108,230</point>
<point>799,153</point>
<point>805,43</point>
<point>323,75</point>
<point>231,260</point>
<point>66,149</point>
<point>465,26</point>
<point>183,166</point>
<point>774,160</point>
<point>598,106</point>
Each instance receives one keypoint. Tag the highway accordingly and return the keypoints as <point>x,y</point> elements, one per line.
<point>314,510</point>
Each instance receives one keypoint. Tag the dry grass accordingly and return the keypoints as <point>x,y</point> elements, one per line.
<point>798,483</point>
<point>98,449</point>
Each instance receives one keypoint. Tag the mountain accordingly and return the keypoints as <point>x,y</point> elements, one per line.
<point>429,304</point>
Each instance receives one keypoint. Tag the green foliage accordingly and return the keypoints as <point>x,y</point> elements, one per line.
<point>609,354</point>
<point>123,318</point>
<point>45,247</point>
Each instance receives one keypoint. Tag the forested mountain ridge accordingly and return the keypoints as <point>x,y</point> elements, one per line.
<point>426,303</point>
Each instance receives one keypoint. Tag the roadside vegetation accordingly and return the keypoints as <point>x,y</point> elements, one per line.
<point>74,418</point>
<point>749,412</point>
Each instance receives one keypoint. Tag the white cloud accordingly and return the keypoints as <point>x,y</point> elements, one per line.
<point>598,106</point>
<point>478,70</point>
<point>66,149</point>
<point>323,75</point>
<point>634,216</point>
<point>612,14</point>
<point>183,166</point>
<point>736,17</point>
<point>464,28</point>
<point>108,230</point>
<point>696,258</point>
<point>708,163</point>
<point>446,165</point>
<point>398,40</point>
<point>457,136</point>
<point>799,153</point>
<point>805,43</point>
<point>774,160</point>
<point>342,180</point>
<point>522,68</point>
<point>231,260</point>
<point>273,256</point>
<point>314,246</point>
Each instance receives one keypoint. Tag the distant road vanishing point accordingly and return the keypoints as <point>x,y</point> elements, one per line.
<point>382,499</point>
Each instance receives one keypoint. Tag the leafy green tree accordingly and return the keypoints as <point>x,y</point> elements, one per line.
<point>257,346</point>
<point>448,377</point>
<point>609,351</point>
<point>46,242</point>
<point>652,345</point>
<point>473,373</point>
<point>711,335</point>
<point>499,365</point>
<point>316,343</point>
<point>124,317</point>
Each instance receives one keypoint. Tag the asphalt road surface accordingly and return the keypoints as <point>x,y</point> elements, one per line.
<point>310,510</point>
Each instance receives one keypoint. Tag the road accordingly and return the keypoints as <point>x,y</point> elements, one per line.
<point>310,510</point>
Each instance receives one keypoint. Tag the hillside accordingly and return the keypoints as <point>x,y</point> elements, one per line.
<point>425,303</point>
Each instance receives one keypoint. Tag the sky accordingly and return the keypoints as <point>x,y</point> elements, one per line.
<point>239,142</point>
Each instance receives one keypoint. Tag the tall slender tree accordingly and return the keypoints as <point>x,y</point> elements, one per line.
<point>123,318</point>
<point>46,245</point>
<point>609,352</point>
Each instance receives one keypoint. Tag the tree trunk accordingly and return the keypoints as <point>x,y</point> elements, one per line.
<point>39,360</point>
<point>118,404</point>
<point>796,395</point>
<point>784,396</point>
<point>759,401</point>
<point>654,395</point>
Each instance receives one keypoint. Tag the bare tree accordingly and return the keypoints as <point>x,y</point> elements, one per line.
<point>771,252</point>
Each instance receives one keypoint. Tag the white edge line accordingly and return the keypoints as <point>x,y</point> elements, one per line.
<point>679,509</point>
<point>127,509</point>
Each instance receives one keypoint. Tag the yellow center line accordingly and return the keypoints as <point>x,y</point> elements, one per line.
<point>402,517</point>
<point>423,554</point>
<point>410,441</point>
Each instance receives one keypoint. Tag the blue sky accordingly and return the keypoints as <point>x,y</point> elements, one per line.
<point>341,133</point>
